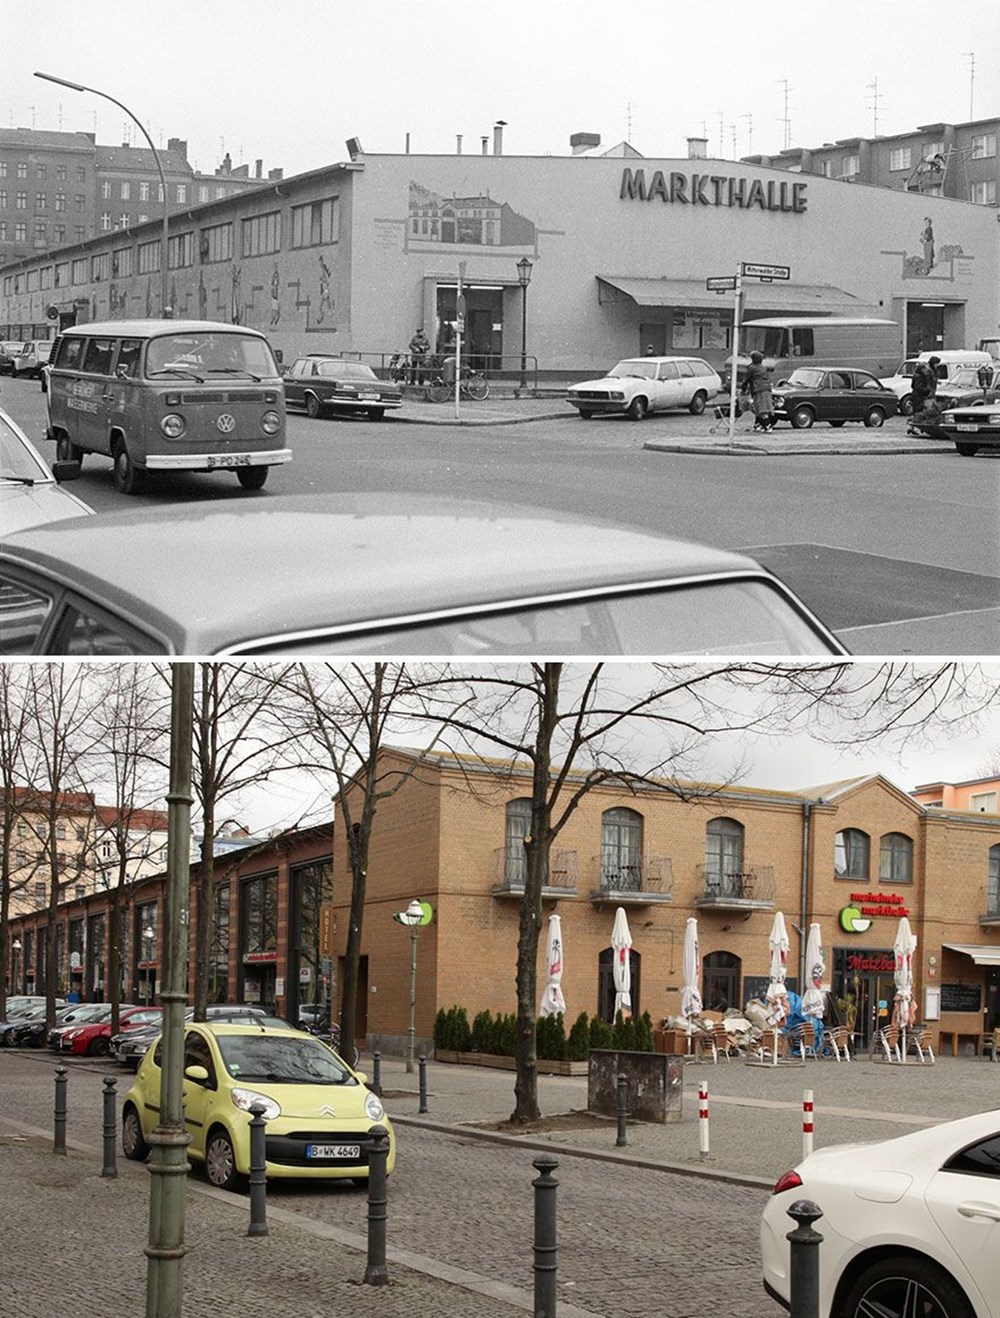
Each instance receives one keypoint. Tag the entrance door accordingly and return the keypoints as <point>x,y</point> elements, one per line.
<point>652,341</point>
<point>924,328</point>
<point>720,981</point>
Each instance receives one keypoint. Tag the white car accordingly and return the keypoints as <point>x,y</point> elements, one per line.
<point>639,385</point>
<point>32,357</point>
<point>950,360</point>
<point>30,493</point>
<point>910,1226</point>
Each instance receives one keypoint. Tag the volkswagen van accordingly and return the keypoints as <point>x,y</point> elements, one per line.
<point>168,395</point>
<point>863,343</point>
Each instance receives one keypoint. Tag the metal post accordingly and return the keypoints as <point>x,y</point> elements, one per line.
<point>803,1270</point>
<point>377,1073</point>
<point>622,1139</point>
<point>258,1172</point>
<point>377,1273</point>
<point>807,1122</point>
<point>412,1028</point>
<point>59,1141</point>
<point>737,315</point>
<point>110,1168</point>
<point>546,1247</point>
<point>423,1084</point>
<point>524,336</point>
<point>703,1121</point>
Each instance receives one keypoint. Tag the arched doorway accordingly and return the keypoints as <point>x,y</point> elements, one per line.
<point>720,974</point>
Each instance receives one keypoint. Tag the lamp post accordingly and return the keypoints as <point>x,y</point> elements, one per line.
<point>15,948</point>
<point>77,87</point>
<point>413,918</point>
<point>524,279</point>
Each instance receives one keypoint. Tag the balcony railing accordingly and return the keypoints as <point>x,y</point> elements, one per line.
<point>646,880</point>
<point>991,916</point>
<point>753,886</point>
<point>510,869</point>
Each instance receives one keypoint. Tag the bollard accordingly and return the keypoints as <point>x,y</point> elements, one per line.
<point>807,1122</point>
<point>59,1141</point>
<point>622,1139</point>
<point>703,1120</point>
<point>258,1172</point>
<point>376,1084</point>
<point>376,1273</point>
<point>423,1083</point>
<point>546,1249</point>
<point>110,1085</point>
<point>803,1266</point>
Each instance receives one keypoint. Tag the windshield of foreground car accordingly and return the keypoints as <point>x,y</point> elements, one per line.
<point>17,462</point>
<point>642,370</point>
<point>298,1060</point>
<point>803,377</point>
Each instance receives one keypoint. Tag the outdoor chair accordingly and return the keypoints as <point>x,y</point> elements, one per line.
<point>991,1046</point>
<point>770,1039</point>
<point>839,1039</point>
<point>802,1039</point>
<point>713,1043</point>
<point>920,1041</point>
<point>886,1043</point>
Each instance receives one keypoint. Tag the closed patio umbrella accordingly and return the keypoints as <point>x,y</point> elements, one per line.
<point>904,1010</point>
<point>691,967</point>
<point>777,995</point>
<point>621,943</point>
<point>553,1001</point>
<point>814,999</point>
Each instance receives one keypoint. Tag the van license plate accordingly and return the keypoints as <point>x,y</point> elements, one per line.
<point>229,460</point>
<point>341,1151</point>
<point>963,425</point>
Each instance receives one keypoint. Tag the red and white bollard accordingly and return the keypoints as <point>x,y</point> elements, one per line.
<point>807,1122</point>
<point>703,1120</point>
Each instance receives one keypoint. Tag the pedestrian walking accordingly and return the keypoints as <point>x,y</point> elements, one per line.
<point>420,346</point>
<point>758,385</point>
<point>923,387</point>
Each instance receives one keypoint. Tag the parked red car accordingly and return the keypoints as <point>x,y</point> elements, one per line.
<point>93,1038</point>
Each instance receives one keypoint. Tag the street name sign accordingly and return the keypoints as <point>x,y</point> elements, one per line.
<point>754,271</point>
<point>721,284</point>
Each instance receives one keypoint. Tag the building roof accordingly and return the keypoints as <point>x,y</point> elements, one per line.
<point>136,819</point>
<point>40,139</point>
<point>140,160</point>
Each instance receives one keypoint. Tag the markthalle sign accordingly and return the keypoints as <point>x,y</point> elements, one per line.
<point>677,188</point>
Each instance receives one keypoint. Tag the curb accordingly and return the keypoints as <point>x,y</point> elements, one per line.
<point>760,451</point>
<point>397,418</point>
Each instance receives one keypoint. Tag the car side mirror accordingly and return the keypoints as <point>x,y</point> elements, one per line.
<point>362,1076</point>
<point>199,1074</point>
<point>65,471</point>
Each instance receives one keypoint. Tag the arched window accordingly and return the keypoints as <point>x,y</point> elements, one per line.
<point>517,826</point>
<point>621,849</point>
<point>723,855</point>
<point>993,891</point>
<point>896,859</point>
<point>720,972</point>
<point>851,850</point>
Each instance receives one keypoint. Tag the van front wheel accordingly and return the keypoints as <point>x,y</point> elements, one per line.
<point>128,478</point>
<point>67,451</point>
<point>252,478</point>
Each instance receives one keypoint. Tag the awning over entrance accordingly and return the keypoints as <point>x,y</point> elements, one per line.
<point>787,298</point>
<point>983,956</point>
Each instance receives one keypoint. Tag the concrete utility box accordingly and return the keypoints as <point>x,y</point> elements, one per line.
<point>654,1084</point>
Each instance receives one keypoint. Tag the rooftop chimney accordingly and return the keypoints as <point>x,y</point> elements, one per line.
<point>458,144</point>
<point>179,145</point>
<point>275,175</point>
<point>581,142</point>
<point>486,143</point>
<point>498,128</point>
<point>697,148</point>
<point>258,168</point>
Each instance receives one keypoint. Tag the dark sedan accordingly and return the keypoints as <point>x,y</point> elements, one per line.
<point>321,384</point>
<point>974,426</point>
<point>834,394</point>
<point>383,574</point>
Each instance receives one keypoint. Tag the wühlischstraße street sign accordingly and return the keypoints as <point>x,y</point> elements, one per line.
<point>749,269</point>
<point>721,284</point>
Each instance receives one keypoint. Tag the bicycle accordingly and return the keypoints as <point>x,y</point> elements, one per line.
<point>473,384</point>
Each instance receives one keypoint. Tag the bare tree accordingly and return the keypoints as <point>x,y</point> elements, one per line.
<point>13,729</point>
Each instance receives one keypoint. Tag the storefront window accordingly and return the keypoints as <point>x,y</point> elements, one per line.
<point>896,859</point>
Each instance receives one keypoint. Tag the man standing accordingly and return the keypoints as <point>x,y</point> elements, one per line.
<point>923,387</point>
<point>419,348</point>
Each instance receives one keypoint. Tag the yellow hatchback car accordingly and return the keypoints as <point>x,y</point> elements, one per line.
<point>319,1112</point>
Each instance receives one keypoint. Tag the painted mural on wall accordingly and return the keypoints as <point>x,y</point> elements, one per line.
<point>438,219</point>
<point>946,262</point>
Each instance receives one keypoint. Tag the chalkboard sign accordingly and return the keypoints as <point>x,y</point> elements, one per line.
<point>961,997</point>
<point>755,986</point>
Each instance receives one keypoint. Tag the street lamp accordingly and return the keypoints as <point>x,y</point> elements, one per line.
<point>77,87</point>
<point>15,947</point>
<point>524,279</point>
<point>413,918</point>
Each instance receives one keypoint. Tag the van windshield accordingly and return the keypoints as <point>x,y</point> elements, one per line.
<point>205,353</point>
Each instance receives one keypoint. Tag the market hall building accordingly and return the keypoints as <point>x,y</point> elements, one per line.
<point>354,257</point>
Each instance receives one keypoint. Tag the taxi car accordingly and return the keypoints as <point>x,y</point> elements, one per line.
<point>972,426</point>
<point>908,1226</point>
<point>835,394</point>
<point>640,385</point>
<point>319,1112</point>
<point>390,574</point>
<point>30,493</point>
<point>320,383</point>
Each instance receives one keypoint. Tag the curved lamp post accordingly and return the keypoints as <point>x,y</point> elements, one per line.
<point>15,948</point>
<point>77,87</point>
<point>524,279</point>
<point>413,918</point>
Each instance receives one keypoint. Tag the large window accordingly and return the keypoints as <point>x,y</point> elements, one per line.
<point>723,851</point>
<point>851,850</point>
<point>899,157</point>
<point>100,266</point>
<point>984,193</point>
<point>984,145</point>
<point>993,882</point>
<point>312,895</point>
<point>259,914</point>
<point>149,257</point>
<point>217,243</point>
<point>218,960</point>
<point>180,251</point>
<point>517,826</point>
<point>317,222</point>
<point>262,234</point>
<point>121,262</point>
<point>621,849</point>
<point>896,859</point>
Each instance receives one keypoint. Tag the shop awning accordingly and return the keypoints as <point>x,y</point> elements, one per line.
<point>983,956</point>
<point>787,298</point>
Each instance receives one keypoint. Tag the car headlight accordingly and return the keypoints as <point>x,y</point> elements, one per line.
<point>173,425</point>
<point>618,395</point>
<point>373,1107</point>
<point>270,423</point>
<point>779,400</point>
<point>73,1034</point>
<point>244,1099</point>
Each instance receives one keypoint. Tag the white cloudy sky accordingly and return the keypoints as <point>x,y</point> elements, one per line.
<point>288,81</point>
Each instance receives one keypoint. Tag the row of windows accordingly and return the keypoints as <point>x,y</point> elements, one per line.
<point>41,170</point>
<point>59,201</point>
<point>982,146</point>
<point>60,233</point>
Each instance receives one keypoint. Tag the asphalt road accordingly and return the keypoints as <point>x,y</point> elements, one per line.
<point>898,553</point>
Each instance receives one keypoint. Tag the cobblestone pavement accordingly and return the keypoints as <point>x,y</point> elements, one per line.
<point>460,1201</point>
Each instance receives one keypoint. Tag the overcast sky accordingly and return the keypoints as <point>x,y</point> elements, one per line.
<point>288,81</point>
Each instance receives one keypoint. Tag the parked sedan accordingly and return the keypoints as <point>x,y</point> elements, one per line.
<point>9,349</point>
<point>33,356</point>
<point>639,385</point>
<point>93,1038</point>
<point>973,426</point>
<point>321,384</point>
<point>909,1225</point>
<point>130,1046</point>
<point>816,393</point>
<point>415,575</point>
<point>34,1033</point>
<point>319,1112</point>
<point>30,492</point>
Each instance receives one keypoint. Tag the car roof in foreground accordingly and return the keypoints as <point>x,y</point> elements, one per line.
<point>245,568</point>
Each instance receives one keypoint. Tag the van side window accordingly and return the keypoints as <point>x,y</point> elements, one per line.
<point>98,356</point>
<point>70,353</point>
<point>802,340</point>
<point>128,358</point>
